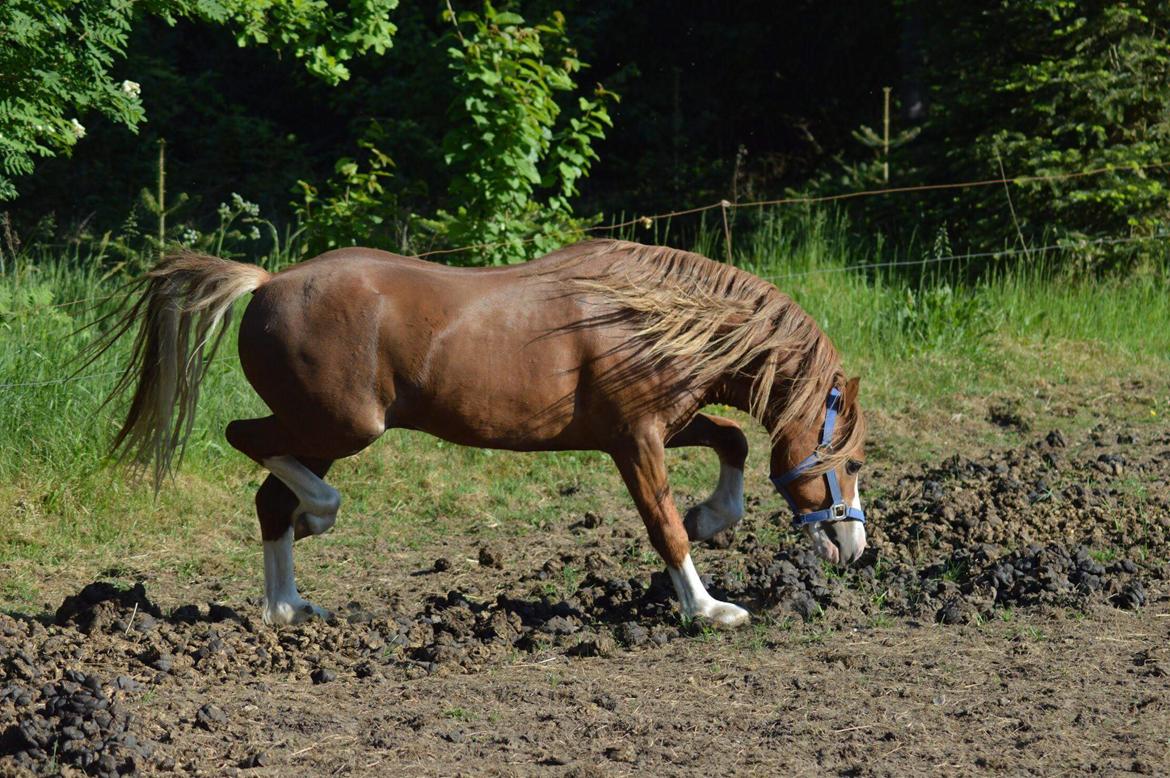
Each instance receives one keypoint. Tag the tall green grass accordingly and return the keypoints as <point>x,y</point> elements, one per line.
<point>905,331</point>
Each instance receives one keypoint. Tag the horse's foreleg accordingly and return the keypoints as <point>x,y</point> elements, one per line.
<point>643,468</point>
<point>724,508</point>
<point>290,504</point>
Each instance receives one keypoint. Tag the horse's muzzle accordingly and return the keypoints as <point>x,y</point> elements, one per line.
<point>849,537</point>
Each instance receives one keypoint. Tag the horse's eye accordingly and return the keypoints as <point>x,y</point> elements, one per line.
<point>853,466</point>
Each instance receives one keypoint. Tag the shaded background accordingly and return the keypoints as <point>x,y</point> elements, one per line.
<point>777,85</point>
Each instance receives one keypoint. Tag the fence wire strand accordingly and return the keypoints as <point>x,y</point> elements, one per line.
<point>650,219</point>
<point>819,199</point>
<point>974,255</point>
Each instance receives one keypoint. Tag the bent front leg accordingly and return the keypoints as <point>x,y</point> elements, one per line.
<point>643,468</point>
<point>724,508</point>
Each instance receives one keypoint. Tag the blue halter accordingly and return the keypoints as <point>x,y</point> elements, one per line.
<point>839,510</point>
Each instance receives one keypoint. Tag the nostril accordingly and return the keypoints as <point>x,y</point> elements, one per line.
<point>849,543</point>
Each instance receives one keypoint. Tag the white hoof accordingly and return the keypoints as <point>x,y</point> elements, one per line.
<point>285,613</point>
<point>283,604</point>
<point>724,614</point>
<point>316,517</point>
<point>317,501</point>
<point>723,509</point>
<point>696,603</point>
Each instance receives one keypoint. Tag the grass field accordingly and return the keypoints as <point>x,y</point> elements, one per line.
<point>931,355</point>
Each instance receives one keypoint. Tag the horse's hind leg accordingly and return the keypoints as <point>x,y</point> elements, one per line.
<point>317,501</point>
<point>292,502</point>
<point>724,508</point>
<point>643,467</point>
<point>265,441</point>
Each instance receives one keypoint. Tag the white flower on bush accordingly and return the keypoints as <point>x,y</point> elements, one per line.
<point>132,88</point>
<point>77,127</point>
<point>244,206</point>
<point>189,237</point>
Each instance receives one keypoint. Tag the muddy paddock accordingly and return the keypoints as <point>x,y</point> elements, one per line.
<point>1012,614</point>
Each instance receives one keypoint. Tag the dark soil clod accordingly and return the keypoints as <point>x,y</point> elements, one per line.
<point>323,675</point>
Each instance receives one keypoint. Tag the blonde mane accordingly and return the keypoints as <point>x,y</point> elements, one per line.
<point>723,321</point>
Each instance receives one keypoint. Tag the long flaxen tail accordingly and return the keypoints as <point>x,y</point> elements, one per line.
<point>183,305</point>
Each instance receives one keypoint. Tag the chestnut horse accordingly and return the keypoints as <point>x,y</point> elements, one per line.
<point>604,345</point>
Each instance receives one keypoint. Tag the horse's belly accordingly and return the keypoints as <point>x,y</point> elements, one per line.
<point>500,402</point>
<point>507,379</point>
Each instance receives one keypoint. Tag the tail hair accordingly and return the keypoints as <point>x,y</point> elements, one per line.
<point>183,306</point>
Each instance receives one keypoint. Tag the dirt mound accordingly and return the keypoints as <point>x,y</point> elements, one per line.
<point>1110,492</point>
<point>101,606</point>
<point>78,722</point>
<point>1046,524</point>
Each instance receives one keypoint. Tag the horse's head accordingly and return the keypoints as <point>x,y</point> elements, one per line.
<point>816,468</point>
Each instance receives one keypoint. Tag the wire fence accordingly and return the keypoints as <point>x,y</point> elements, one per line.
<point>974,255</point>
<point>725,205</point>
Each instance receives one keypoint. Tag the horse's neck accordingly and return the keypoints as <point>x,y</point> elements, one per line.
<point>736,391</point>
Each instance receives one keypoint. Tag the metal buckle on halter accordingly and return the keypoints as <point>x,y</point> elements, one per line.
<point>840,511</point>
<point>823,451</point>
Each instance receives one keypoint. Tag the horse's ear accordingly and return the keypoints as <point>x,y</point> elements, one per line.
<point>851,387</point>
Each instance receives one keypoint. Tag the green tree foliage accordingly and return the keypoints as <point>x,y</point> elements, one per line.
<point>516,159</point>
<point>1043,87</point>
<point>57,59</point>
<point>354,206</point>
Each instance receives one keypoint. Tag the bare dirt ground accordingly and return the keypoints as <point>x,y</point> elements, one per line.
<point>1012,615</point>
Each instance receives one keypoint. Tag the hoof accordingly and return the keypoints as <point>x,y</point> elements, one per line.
<point>316,516</point>
<point>288,613</point>
<point>724,615</point>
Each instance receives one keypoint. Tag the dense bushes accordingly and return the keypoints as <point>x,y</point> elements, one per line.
<point>1033,90</point>
<point>484,134</point>
<point>58,59</point>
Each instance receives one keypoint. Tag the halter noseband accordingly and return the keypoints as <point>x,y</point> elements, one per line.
<point>839,510</point>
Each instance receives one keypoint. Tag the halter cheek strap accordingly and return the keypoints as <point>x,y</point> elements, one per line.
<point>839,510</point>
